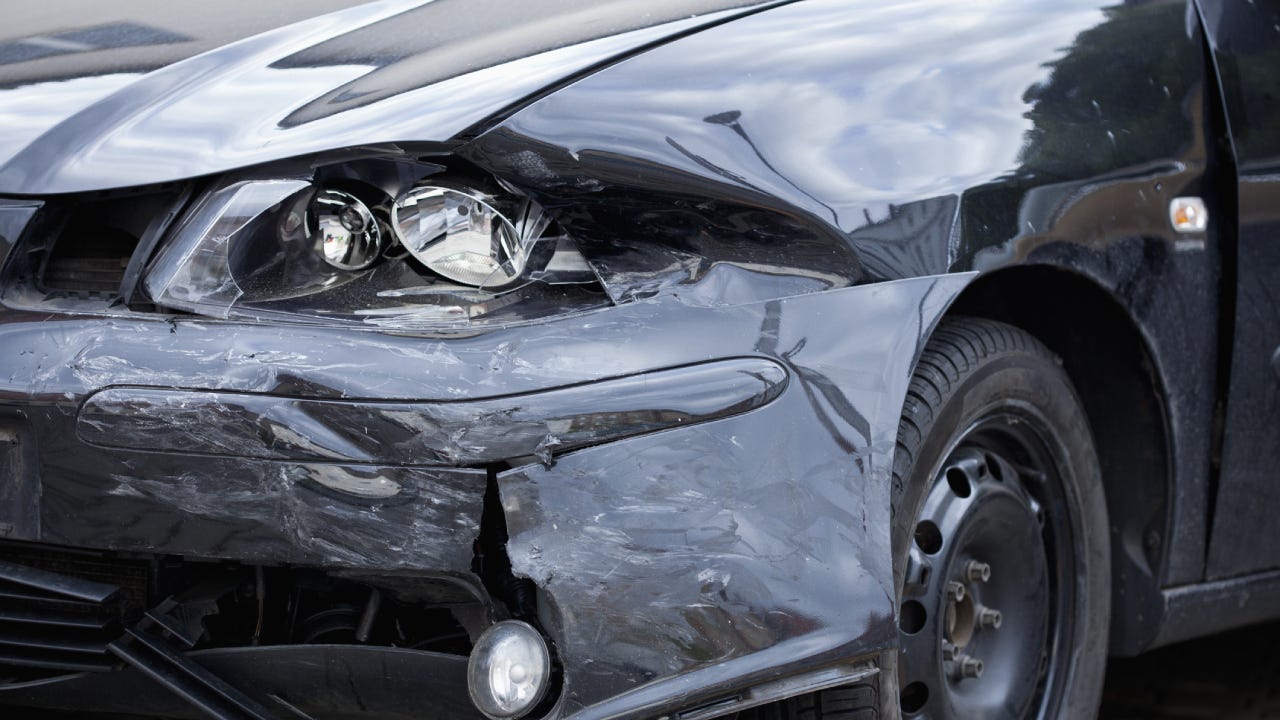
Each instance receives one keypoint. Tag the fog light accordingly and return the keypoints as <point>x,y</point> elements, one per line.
<point>509,670</point>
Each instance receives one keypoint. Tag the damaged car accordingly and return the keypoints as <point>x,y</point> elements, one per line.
<point>680,359</point>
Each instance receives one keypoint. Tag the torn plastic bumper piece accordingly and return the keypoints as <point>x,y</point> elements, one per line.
<point>286,680</point>
<point>63,623</point>
<point>185,678</point>
<point>474,432</point>
<point>675,570</point>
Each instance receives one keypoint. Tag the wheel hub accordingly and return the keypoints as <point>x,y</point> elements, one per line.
<point>976,605</point>
<point>959,616</point>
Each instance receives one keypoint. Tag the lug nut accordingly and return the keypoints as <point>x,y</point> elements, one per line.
<point>955,591</point>
<point>977,571</point>
<point>989,618</point>
<point>969,667</point>
<point>948,651</point>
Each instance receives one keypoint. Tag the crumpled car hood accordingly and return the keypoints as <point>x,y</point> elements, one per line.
<point>96,96</point>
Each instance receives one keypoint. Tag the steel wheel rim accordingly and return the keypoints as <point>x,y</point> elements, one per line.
<point>996,507</point>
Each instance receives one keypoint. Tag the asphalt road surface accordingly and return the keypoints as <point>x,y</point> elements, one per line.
<point>1234,676</point>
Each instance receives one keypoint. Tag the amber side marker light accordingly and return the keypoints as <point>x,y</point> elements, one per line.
<point>1188,214</point>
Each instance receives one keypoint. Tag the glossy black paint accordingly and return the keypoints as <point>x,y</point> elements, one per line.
<point>673,579</point>
<point>731,511</point>
<point>55,62</point>
<point>789,188</point>
<point>1246,43</point>
<point>1005,139</point>
<point>476,433</point>
<point>358,76</point>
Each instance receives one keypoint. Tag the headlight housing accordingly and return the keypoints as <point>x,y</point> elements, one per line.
<point>387,243</point>
<point>464,238</point>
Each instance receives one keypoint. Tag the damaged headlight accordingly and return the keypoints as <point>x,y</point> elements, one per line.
<point>462,237</point>
<point>388,243</point>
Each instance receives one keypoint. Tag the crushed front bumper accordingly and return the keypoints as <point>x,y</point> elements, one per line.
<point>700,494</point>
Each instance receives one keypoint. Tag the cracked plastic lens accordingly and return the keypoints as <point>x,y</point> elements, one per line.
<point>459,236</point>
<point>324,250</point>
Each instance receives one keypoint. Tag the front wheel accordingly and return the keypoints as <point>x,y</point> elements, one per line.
<point>1000,536</point>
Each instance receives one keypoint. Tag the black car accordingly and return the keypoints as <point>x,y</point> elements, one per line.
<point>829,360</point>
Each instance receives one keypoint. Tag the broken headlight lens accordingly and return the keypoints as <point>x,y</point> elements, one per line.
<point>374,245</point>
<point>463,238</point>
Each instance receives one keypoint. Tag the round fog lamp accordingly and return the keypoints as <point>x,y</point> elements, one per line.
<point>509,670</point>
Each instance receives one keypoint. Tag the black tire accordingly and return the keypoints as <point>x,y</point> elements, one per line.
<point>994,436</point>
<point>972,379</point>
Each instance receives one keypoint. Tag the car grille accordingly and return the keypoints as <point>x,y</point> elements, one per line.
<point>85,274</point>
<point>85,247</point>
<point>88,259</point>
<point>59,609</point>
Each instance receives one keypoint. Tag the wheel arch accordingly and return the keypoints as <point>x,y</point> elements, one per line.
<point>1110,363</point>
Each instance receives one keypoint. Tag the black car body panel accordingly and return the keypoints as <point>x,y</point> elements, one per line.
<point>779,200</point>
<point>1074,174</point>
<point>590,528</point>
<point>361,75</point>
<point>1243,37</point>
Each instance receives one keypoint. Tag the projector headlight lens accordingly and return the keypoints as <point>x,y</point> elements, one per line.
<point>509,670</point>
<point>348,235</point>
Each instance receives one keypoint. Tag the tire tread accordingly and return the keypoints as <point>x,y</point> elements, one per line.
<point>958,346</point>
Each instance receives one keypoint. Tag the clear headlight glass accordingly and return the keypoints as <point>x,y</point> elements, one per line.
<point>379,244</point>
<point>464,238</point>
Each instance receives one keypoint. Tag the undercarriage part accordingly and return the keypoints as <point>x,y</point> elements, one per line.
<point>161,662</point>
<point>850,692</point>
<point>493,565</point>
<point>369,615</point>
<point>293,681</point>
<point>65,611</point>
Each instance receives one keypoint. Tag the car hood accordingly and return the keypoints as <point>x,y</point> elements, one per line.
<point>97,95</point>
